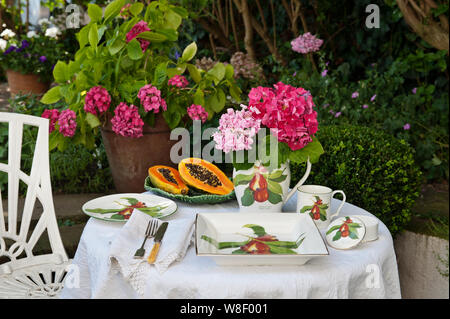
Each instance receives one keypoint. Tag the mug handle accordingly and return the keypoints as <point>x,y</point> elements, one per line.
<point>340,206</point>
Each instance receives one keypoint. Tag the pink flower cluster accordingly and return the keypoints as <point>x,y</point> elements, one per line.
<point>126,121</point>
<point>151,99</point>
<point>287,111</point>
<point>53,116</point>
<point>97,99</point>
<point>178,81</point>
<point>236,130</point>
<point>306,43</point>
<point>139,27</point>
<point>67,123</point>
<point>197,112</point>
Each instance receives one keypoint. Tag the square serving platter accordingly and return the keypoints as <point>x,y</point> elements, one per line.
<point>259,239</point>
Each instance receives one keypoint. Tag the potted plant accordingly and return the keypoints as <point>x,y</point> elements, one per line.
<point>28,59</point>
<point>126,84</point>
<point>261,174</point>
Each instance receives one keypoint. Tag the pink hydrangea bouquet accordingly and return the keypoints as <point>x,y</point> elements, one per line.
<point>288,115</point>
<point>123,78</point>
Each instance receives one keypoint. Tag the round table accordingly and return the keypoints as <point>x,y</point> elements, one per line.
<point>367,271</point>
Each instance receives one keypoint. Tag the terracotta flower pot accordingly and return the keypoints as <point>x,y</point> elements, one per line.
<point>129,158</point>
<point>25,83</point>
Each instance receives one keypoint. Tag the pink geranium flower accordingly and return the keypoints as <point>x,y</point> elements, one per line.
<point>151,98</point>
<point>178,81</point>
<point>236,130</point>
<point>197,112</point>
<point>67,123</point>
<point>126,121</point>
<point>138,28</point>
<point>306,43</point>
<point>53,116</point>
<point>287,111</point>
<point>97,99</point>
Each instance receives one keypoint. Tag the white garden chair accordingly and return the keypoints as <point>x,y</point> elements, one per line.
<point>23,274</point>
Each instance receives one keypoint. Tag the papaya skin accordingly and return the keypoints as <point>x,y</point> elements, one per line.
<point>171,183</point>
<point>205,176</point>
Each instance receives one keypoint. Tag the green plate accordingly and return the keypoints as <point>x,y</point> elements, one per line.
<point>193,197</point>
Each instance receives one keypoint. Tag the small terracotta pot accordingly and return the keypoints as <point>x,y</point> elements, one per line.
<point>129,158</point>
<point>25,83</point>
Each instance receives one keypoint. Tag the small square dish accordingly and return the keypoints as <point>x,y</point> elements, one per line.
<point>262,239</point>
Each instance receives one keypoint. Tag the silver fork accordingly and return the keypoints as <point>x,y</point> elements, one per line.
<point>149,233</point>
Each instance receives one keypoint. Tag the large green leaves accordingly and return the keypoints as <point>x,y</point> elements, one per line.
<point>313,150</point>
<point>113,9</point>
<point>189,52</point>
<point>61,72</point>
<point>94,12</point>
<point>134,50</point>
<point>52,96</point>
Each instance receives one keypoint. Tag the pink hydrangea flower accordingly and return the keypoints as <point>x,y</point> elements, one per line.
<point>53,116</point>
<point>306,43</point>
<point>236,130</point>
<point>287,111</point>
<point>414,91</point>
<point>67,123</point>
<point>373,98</point>
<point>365,106</point>
<point>197,112</point>
<point>126,121</point>
<point>138,28</point>
<point>355,95</point>
<point>151,98</point>
<point>178,81</point>
<point>97,98</point>
<point>324,73</point>
<point>407,126</point>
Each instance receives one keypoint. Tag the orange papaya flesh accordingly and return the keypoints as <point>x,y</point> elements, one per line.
<point>167,179</point>
<point>204,176</point>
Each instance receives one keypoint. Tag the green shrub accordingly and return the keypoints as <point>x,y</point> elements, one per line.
<point>375,170</point>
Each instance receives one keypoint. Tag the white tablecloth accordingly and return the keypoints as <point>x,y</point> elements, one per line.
<point>367,271</point>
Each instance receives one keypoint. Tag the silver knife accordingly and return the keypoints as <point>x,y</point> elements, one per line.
<point>158,238</point>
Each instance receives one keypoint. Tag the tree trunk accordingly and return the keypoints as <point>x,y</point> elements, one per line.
<point>242,6</point>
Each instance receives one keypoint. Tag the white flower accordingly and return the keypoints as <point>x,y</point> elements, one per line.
<point>3,44</point>
<point>8,33</point>
<point>52,32</point>
<point>4,25</point>
<point>31,34</point>
<point>43,21</point>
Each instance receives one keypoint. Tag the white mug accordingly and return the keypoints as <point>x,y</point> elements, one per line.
<point>316,200</point>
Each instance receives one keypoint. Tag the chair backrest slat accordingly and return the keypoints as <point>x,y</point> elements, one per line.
<point>38,187</point>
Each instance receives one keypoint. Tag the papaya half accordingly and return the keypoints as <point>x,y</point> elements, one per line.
<point>167,179</point>
<point>205,176</point>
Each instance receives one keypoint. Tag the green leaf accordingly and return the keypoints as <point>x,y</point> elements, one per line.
<point>218,71</point>
<point>136,8</point>
<point>195,74</point>
<point>305,208</point>
<point>274,187</point>
<point>103,210</point>
<point>83,36</point>
<point>258,230</point>
<point>217,101</point>
<point>199,99</point>
<point>113,9</point>
<point>239,252</point>
<point>94,12</point>
<point>281,250</point>
<point>117,216</point>
<point>93,35</point>
<point>313,150</point>
<point>173,19</point>
<point>353,235</point>
<point>242,179</point>
<point>160,74</point>
<point>116,46</point>
<point>274,198</point>
<point>52,96</point>
<point>323,216</point>
<point>247,199</point>
<point>170,34</point>
<point>152,36</point>
<point>134,50</point>
<point>60,72</point>
<point>189,52</point>
<point>229,71</point>
<point>92,120</point>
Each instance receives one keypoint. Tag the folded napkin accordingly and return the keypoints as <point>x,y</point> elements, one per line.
<point>178,237</point>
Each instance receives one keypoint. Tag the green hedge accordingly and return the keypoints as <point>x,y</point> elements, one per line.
<point>375,170</point>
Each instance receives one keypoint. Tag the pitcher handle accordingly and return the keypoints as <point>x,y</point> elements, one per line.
<point>300,182</point>
<point>340,206</point>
